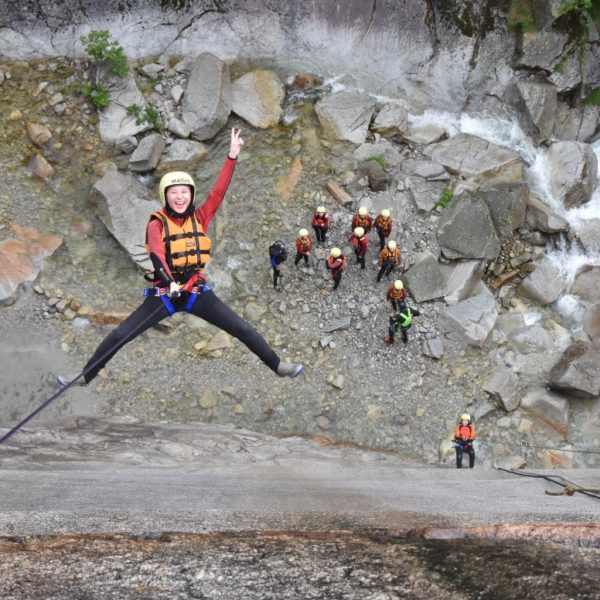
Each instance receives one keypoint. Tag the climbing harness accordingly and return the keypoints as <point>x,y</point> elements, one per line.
<point>569,488</point>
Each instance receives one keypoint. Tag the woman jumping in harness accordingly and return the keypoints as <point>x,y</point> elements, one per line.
<point>179,248</point>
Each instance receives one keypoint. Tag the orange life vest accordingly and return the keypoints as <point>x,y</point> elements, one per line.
<point>186,246</point>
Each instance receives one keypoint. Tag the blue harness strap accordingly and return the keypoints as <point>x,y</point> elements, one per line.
<point>167,302</point>
<point>194,294</point>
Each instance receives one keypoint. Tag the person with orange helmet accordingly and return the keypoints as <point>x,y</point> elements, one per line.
<point>464,436</point>
<point>363,219</point>
<point>320,223</point>
<point>389,258</point>
<point>335,264</point>
<point>179,248</point>
<point>304,245</point>
<point>360,243</point>
<point>383,226</point>
<point>396,294</point>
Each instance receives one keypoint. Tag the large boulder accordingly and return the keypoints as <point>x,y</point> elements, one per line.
<point>346,115</point>
<point>147,153</point>
<point>425,193</point>
<point>22,257</point>
<point>462,277</point>
<point>381,148</point>
<point>572,168</point>
<point>181,155</point>
<point>502,385</point>
<point>471,320</point>
<point>577,123</point>
<point>256,97</point>
<point>425,280</point>
<point>391,119</point>
<point>507,202</point>
<point>577,373</point>
<point>124,205</point>
<point>544,284</point>
<point>549,407</point>
<point>113,121</point>
<point>466,229</point>
<point>471,156</point>
<point>587,284</point>
<point>206,103</point>
<point>537,101</point>
<point>542,218</point>
<point>588,234</point>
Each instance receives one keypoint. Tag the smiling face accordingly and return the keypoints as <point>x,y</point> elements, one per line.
<point>179,198</point>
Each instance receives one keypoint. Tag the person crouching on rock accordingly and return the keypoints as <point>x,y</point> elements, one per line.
<point>179,249</point>
<point>335,264</point>
<point>402,321</point>
<point>464,436</point>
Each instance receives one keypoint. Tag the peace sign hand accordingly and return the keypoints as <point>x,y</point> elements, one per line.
<point>236,143</point>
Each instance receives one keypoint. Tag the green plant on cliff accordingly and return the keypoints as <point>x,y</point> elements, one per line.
<point>445,197</point>
<point>108,59</point>
<point>146,115</point>
<point>593,97</point>
<point>520,16</point>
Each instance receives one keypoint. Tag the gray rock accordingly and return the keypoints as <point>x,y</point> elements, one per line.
<point>528,339</point>
<point>588,234</point>
<point>113,122</point>
<point>423,135</point>
<point>152,69</point>
<point>346,115</point>
<point>178,128</point>
<point>578,371</point>
<point>541,217</point>
<point>471,320</point>
<point>543,285</point>
<point>572,168</point>
<point>577,123</point>
<point>177,93</point>
<point>206,103</point>
<point>425,279</point>
<point>383,148</point>
<point>427,169</point>
<point>434,348</point>
<point>542,49</point>
<point>503,387</point>
<point>123,204</point>
<point>181,155</point>
<point>507,202</point>
<point>466,229</point>
<point>126,144</point>
<point>425,193</point>
<point>592,326</point>
<point>341,323</point>
<point>256,97</point>
<point>376,174</point>
<point>391,119</point>
<point>539,102</point>
<point>587,284</point>
<point>147,154</point>
<point>462,278</point>
<point>471,156</point>
<point>549,407</point>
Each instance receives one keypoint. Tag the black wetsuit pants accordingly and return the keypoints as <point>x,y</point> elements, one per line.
<point>153,310</point>
<point>460,450</point>
<point>320,233</point>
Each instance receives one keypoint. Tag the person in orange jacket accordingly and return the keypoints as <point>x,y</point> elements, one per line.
<point>304,246</point>
<point>464,436</point>
<point>363,219</point>
<point>320,223</point>
<point>360,243</point>
<point>383,227</point>
<point>335,264</point>
<point>396,294</point>
<point>389,258</point>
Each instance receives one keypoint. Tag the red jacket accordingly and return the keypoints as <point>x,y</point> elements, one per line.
<point>304,245</point>
<point>336,265</point>
<point>385,225</point>
<point>386,256</point>
<point>464,432</point>
<point>394,294</point>
<point>204,213</point>
<point>359,244</point>
<point>365,222</point>
<point>320,221</point>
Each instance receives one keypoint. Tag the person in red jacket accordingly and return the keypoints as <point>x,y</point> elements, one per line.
<point>389,258</point>
<point>304,245</point>
<point>360,243</point>
<point>320,224</point>
<point>179,248</point>
<point>335,264</point>
<point>383,227</point>
<point>396,294</point>
<point>464,436</point>
<point>363,219</point>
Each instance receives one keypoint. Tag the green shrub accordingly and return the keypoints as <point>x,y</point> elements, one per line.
<point>147,115</point>
<point>97,94</point>
<point>445,197</point>
<point>593,97</point>
<point>520,16</point>
<point>98,45</point>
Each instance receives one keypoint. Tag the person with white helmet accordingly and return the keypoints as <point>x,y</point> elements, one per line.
<point>320,223</point>
<point>360,243</point>
<point>464,436</point>
<point>396,294</point>
<point>304,245</point>
<point>180,248</point>
<point>383,226</point>
<point>335,264</point>
<point>363,219</point>
<point>389,258</point>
